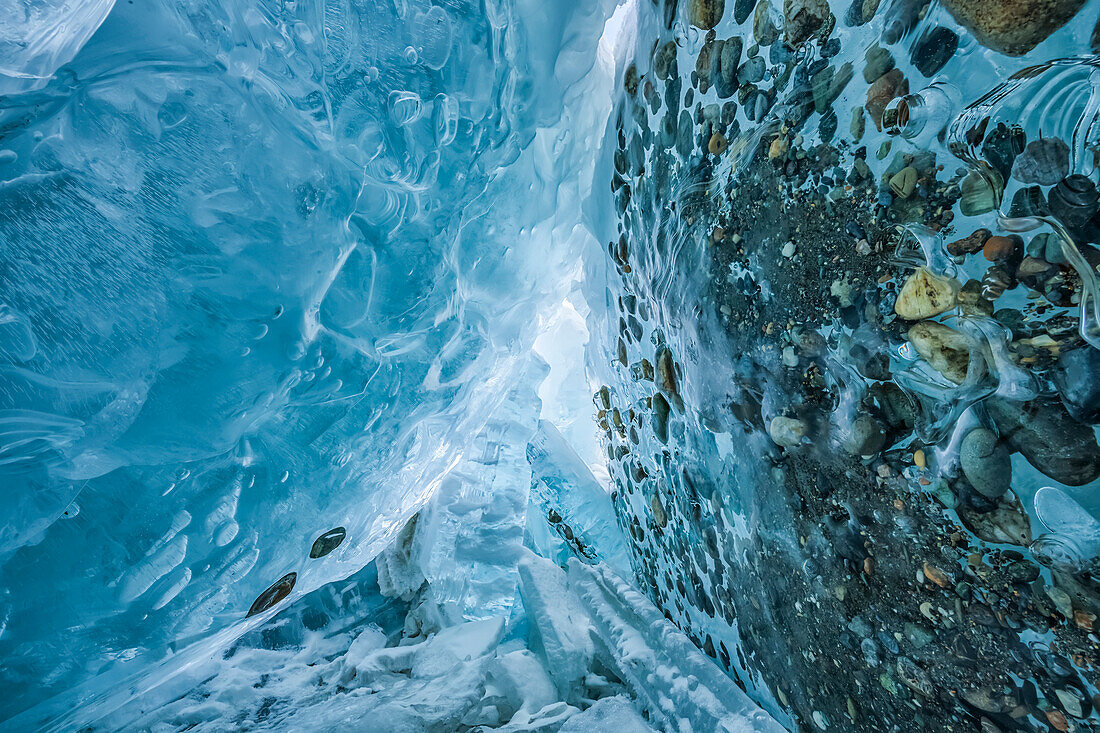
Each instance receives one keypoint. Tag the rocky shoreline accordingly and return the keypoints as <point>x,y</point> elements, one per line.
<point>846,517</point>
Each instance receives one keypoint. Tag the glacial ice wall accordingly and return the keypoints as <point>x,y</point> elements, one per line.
<point>269,272</point>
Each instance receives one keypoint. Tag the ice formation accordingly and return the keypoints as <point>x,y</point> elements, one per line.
<point>623,365</point>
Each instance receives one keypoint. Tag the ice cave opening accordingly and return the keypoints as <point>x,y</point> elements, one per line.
<point>574,366</point>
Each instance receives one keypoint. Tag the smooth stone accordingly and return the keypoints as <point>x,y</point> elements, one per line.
<point>804,18</point>
<point>978,197</point>
<point>934,49</point>
<point>327,542</point>
<point>1049,438</point>
<point>277,592</point>
<point>752,70</point>
<point>724,75</point>
<point>865,436</point>
<point>742,9</point>
<point>706,14</point>
<point>664,60</point>
<point>1077,376</point>
<point>1044,161</point>
<point>1012,27</point>
<point>903,182</point>
<point>986,463</point>
<point>915,678</point>
<point>787,432</point>
<point>827,85</point>
<point>925,294</point>
<point>891,84</point>
<point>763,28</point>
<point>968,245</point>
<point>945,349</point>
<point>877,61</point>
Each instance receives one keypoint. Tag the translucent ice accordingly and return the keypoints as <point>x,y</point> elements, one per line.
<point>269,270</point>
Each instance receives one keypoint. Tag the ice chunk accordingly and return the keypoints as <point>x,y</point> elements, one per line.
<point>654,659</point>
<point>609,715</point>
<point>569,494</point>
<point>559,629</point>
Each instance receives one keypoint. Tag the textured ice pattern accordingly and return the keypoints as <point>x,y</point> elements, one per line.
<point>269,269</point>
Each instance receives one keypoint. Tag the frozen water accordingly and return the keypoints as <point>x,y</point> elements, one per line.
<point>270,270</point>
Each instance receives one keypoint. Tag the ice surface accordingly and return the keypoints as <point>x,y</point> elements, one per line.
<point>269,269</point>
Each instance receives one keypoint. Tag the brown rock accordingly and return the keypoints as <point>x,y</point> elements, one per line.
<point>891,84</point>
<point>804,18</point>
<point>705,14</point>
<point>1057,720</point>
<point>936,575</point>
<point>969,245</point>
<point>1013,27</point>
<point>1000,248</point>
<point>717,144</point>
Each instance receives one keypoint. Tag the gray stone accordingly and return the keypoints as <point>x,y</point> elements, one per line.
<point>986,463</point>
<point>1049,438</point>
<point>1077,377</point>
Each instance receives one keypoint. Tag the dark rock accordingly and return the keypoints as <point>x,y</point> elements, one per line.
<point>1044,161</point>
<point>1077,376</point>
<point>970,244</point>
<point>327,542</point>
<point>277,592</point>
<point>1074,200</point>
<point>934,49</point>
<point>1049,438</point>
<point>742,9</point>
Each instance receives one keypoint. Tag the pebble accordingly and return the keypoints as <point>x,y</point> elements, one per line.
<point>705,14</point>
<point>1006,524</point>
<point>934,49</point>
<point>904,181</point>
<point>1044,161</point>
<point>877,61</point>
<point>936,575</point>
<point>968,245</point>
<point>915,678</point>
<point>1012,27</point>
<point>327,542</point>
<point>925,294</point>
<point>986,463</point>
<point>763,28</point>
<point>1077,376</point>
<point>978,196</point>
<point>1061,601</point>
<point>804,18</point>
<point>945,349</point>
<point>717,144</point>
<point>1049,438</point>
<point>788,250</point>
<point>886,87</point>
<point>997,249</point>
<point>277,592</point>
<point>786,432</point>
<point>752,70</point>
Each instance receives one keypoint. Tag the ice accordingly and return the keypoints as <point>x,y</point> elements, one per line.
<point>566,489</point>
<point>270,270</point>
